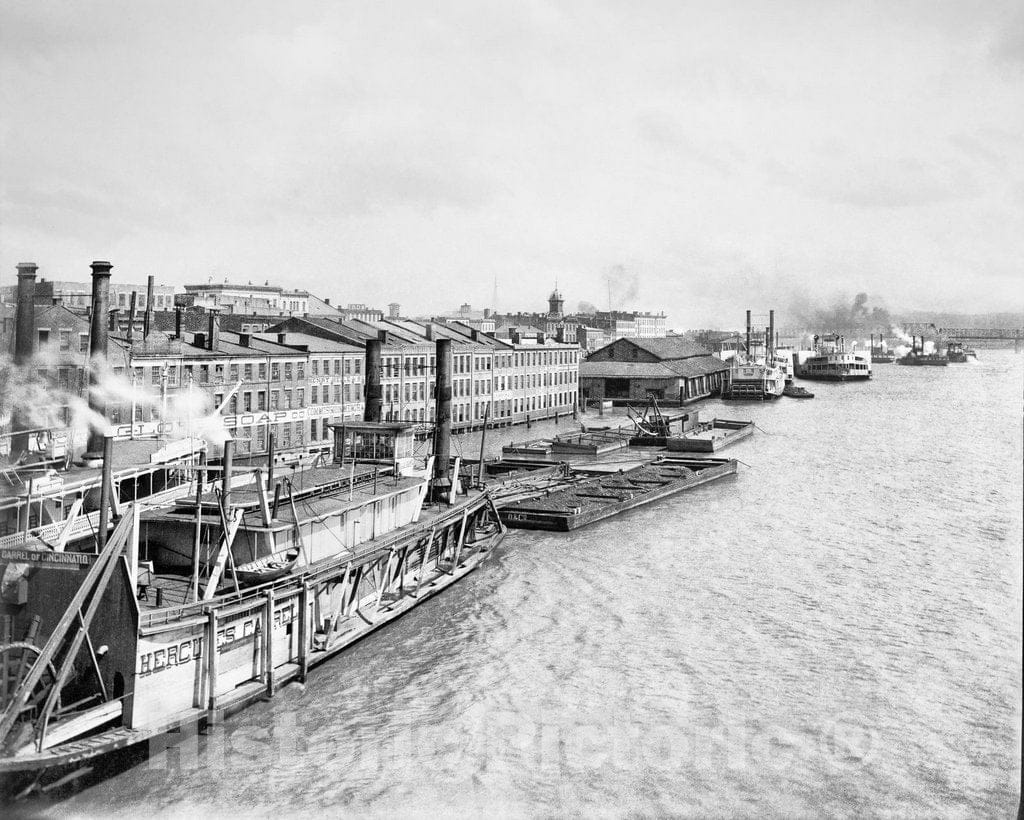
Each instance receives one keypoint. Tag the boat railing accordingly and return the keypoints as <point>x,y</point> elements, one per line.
<point>247,597</point>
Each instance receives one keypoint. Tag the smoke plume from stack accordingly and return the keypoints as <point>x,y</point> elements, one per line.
<point>855,319</point>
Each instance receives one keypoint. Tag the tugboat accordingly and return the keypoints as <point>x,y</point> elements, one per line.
<point>918,358</point>
<point>831,361</point>
<point>796,392</point>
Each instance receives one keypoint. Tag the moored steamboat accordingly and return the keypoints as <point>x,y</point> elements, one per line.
<point>195,607</point>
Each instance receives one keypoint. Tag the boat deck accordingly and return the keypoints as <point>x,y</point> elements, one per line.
<point>164,591</point>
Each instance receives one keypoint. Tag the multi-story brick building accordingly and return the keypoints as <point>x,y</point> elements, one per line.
<point>509,381</point>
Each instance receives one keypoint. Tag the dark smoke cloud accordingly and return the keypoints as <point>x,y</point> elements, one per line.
<point>586,308</point>
<point>843,317</point>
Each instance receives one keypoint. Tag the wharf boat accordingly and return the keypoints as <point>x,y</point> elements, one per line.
<point>603,496</point>
<point>830,360</point>
<point>106,642</point>
<point>711,436</point>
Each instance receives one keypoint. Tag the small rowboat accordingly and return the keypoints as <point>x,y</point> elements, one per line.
<point>795,392</point>
<point>267,569</point>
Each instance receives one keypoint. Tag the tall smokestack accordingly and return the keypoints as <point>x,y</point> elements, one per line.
<point>771,336</point>
<point>177,321</point>
<point>443,416</point>
<point>147,318</point>
<point>24,332</point>
<point>98,348</point>
<point>131,316</point>
<point>372,398</point>
<point>748,333</point>
<point>24,338</point>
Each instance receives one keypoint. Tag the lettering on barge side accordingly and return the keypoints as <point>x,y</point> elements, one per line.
<point>44,558</point>
<point>189,651</point>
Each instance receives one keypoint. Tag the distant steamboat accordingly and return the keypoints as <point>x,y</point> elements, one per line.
<point>918,358</point>
<point>831,361</point>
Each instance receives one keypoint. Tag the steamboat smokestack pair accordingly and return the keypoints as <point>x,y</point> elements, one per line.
<point>442,412</point>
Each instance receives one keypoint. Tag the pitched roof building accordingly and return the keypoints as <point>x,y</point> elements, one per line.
<point>671,369</point>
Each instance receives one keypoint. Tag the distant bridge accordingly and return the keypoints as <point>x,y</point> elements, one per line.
<point>1007,334</point>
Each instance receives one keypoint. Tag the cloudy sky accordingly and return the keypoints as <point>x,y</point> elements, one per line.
<point>697,158</point>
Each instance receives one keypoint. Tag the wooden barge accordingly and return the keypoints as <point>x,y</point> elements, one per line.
<point>710,437</point>
<point>595,442</point>
<point>603,496</point>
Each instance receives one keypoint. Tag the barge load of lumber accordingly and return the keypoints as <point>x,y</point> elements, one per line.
<point>604,496</point>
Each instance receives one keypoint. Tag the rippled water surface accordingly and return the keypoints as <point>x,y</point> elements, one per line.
<point>836,630</point>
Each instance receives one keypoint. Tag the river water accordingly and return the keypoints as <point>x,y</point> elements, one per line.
<point>836,630</point>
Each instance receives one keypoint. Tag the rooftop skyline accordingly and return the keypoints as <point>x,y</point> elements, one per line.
<point>688,157</point>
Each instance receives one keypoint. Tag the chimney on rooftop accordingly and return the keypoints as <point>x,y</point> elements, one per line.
<point>98,349</point>
<point>177,321</point>
<point>540,338</point>
<point>213,334</point>
<point>243,339</point>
